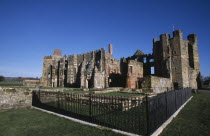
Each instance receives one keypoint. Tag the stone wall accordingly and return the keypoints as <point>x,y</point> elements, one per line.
<point>157,84</point>
<point>31,83</point>
<point>12,98</point>
<point>135,71</point>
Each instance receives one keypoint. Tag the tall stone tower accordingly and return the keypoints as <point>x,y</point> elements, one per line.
<point>177,59</point>
<point>193,55</point>
<point>52,69</point>
<point>193,52</point>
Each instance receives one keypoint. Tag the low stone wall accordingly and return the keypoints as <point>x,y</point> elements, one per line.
<point>12,98</point>
<point>157,84</point>
<point>60,89</point>
<point>107,90</point>
<point>160,84</point>
<point>31,83</point>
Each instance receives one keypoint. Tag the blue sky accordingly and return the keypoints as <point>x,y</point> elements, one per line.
<point>31,29</point>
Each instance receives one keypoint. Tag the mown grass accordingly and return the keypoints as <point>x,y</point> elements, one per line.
<point>120,94</point>
<point>35,123</point>
<point>110,115</point>
<point>53,87</point>
<point>193,120</point>
<point>75,91</point>
<point>10,83</point>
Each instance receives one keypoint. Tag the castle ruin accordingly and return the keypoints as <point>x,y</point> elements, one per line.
<point>173,64</point>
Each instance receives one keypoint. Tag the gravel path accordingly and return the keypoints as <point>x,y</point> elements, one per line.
<point>204,91</point>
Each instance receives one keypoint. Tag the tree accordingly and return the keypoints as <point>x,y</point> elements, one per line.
<point>2,78</point>
<point>207,78</point>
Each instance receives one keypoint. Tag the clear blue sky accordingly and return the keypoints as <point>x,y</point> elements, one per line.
<point>31,29</point>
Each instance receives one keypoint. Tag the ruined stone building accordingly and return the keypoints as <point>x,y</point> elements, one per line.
<point>174,63</point>
<point>88,70</point>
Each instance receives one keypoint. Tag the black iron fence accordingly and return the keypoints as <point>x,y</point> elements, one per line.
<point>161,107</point>
<point>140,115</point>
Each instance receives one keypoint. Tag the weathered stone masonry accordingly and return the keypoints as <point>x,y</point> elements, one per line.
<point>15,98</point>
<point>89,70</point>
<point>174,63</point>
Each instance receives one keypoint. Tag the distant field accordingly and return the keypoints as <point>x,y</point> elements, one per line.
<point>10,83</point>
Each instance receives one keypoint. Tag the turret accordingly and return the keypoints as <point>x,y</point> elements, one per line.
<point>178,34</point>
<point>155,40</point>
<point>192,38</point>
<point>164,37</point>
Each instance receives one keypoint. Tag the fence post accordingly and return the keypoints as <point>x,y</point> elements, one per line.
<point>147,115</point>
<point>39,98</point>
<point>175,100</point>
<point>58,100</point>
<point>90,108</point>
<point>166,105</point>
<point>39,95</point>
<point>190,91</point>
<point>181,98</point>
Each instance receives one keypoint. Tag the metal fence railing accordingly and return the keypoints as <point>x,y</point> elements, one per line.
<point>161,107</point>
<point>131,114</point>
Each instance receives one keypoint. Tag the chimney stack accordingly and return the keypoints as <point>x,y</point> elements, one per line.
<point>57,52</point>
<point>110,49</point>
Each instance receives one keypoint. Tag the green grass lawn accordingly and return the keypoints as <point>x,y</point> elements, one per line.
<point>130,121</point>
<point>79,91</point>
<point>31,122</point>
<point>193,120</point>
<point>53,87</point>
<point>120,94</point>
<point>10,83</point>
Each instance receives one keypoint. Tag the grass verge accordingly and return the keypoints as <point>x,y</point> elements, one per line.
<point>76,91</point>
<point>36,123</point>
<point>10,83</point>
<point>120,94</point>
<point>193,120</point>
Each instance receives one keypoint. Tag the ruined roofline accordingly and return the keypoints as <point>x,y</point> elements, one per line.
<point>90,52</point>
<point>95,51</point>
<point>47,57</point>
<point>138,52</point>
<point>58,52</point>
<point>176,34</point>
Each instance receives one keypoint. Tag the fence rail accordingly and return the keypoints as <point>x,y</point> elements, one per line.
<point>161,107</point>
<point>131,114</point>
